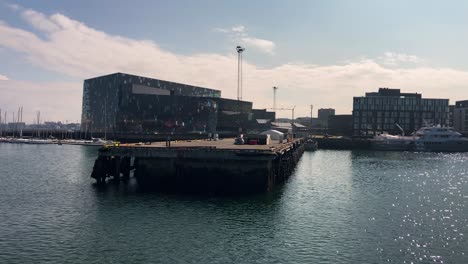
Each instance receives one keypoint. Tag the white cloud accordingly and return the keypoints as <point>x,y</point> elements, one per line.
<point>39,21</point>
<point>56,100</point>
<point>266,46</point>
<point>238,29</point>
<point>75,49</point>
<point>240,36</point>
<point>13,7</point>
<point>394,59</point>
<point>221,30</point>
<point>3,78</point>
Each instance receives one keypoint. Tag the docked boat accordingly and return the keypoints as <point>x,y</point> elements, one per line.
<point>98,142</point>
<point>18,140</point>
<point>435,139</point>
<point>310,145</point>
<point>440,139</point>
<point>40,141</point>
<point>392,142</point>
<point>93,142</point>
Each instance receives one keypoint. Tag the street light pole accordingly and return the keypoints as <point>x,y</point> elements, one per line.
<point>311,111</point>
<point>239,72</point>
<point>274,100</point>
<point>292,121</point>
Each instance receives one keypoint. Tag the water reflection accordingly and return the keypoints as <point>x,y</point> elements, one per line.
<point>408,219</point>
<point>337,207</point>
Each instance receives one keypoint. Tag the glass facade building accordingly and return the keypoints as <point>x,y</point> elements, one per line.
<point>127,104</point>
<point>385,110</point>
<point>460,116</point>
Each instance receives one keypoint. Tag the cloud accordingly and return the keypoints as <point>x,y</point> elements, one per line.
<point>70,47</point>
<point>56,100</point>
<point>3,78</point>
<point>394,59</point>
<point>266,46</point>
<point>238,29</point>
<point>221,30</point>
<point>39,21</point>
<point>240,36</point>
<point>13,7</point>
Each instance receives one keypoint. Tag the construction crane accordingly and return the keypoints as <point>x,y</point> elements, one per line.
<point>292,115</point>
<point>401,129</point>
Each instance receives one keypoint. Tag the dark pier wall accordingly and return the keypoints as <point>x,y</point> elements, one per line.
<point>200,170</point>
<point>342,143</point>
<point>193,175</point>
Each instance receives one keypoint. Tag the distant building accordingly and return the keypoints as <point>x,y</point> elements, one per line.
<point>451,112</point>
<point>261,120</point>
<point>460,116</point>
<point>380,112</point>
<point>305,121</point>
<point>340,125</point>
<point>324,113</point>
<point>16,126</point>
<point>317,123</point>
<point>314,123</point>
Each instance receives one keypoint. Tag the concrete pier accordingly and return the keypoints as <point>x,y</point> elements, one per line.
<point>200,166</point>
<point>341,143</point>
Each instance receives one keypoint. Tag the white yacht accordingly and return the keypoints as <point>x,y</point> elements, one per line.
<point>436,138</point>
<point>392,142</point>
<point>18,140</point>
<point>40,141</point>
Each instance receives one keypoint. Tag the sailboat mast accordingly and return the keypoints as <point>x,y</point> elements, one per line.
<point>13,124</point>
<point>38,123</point>
<point>105,118</point>
<point>17,121</point>
<point>5,119</point>
<point>21,124</point>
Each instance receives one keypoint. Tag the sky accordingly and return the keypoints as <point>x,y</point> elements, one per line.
<point>319,53</point>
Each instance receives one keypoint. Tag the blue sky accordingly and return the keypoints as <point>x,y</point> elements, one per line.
<point>322,32</point>
<point>317,52</point>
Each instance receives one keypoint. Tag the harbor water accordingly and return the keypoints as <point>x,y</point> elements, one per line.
<point>337,207</point>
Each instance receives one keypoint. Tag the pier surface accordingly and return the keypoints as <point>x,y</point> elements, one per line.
<point>222,144</point>
<point>200,165</point>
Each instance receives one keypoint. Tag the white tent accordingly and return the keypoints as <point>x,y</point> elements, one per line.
<point>274,134</point>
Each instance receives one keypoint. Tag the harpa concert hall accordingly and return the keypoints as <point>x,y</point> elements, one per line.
<point>123,104</point>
